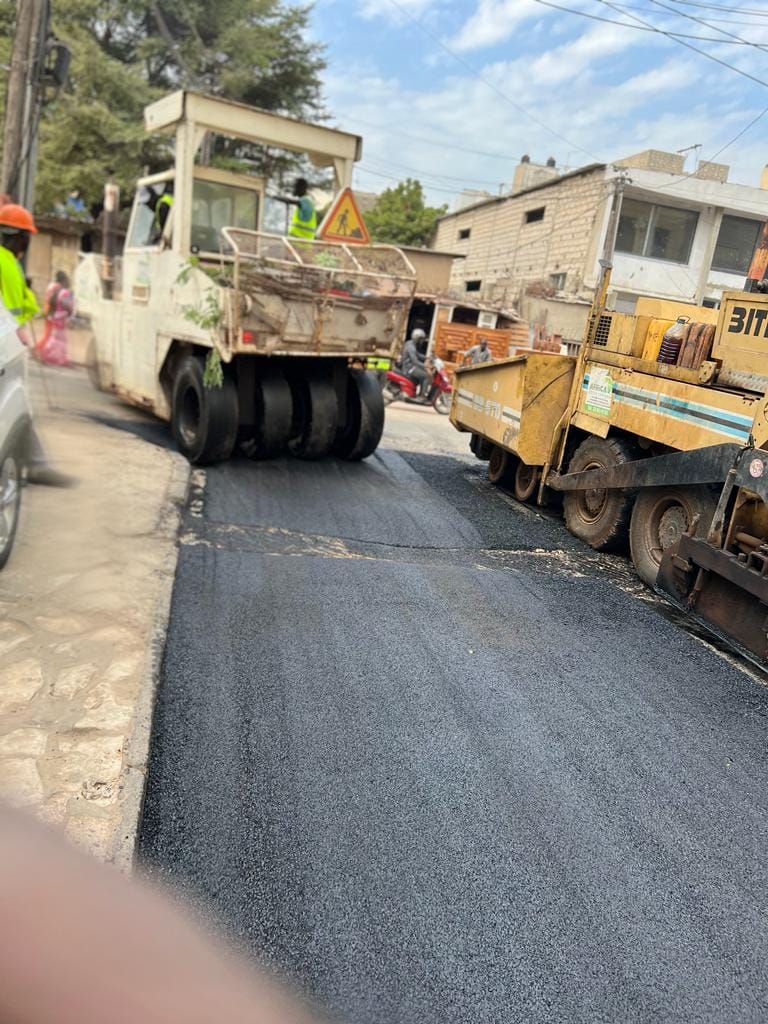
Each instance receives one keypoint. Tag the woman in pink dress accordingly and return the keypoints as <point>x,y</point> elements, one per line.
<point>59,304</point>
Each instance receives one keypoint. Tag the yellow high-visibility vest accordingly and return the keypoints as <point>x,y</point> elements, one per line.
<point>301,228</point>
<point>18,299</point>
<point>164,200</point>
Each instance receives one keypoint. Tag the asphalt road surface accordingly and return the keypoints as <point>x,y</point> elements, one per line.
<point>436,762</point>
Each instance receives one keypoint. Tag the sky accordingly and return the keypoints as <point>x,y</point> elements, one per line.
<point>454,92</point>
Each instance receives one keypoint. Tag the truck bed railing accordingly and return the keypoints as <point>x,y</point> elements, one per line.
<point>303,267</point>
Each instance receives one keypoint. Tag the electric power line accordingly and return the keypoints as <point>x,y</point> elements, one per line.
<point>724,21</point>
<point>433,174</point>
<point>647,28</point>
<point>700,21</point>
<point>717,7</point>
<point>683,42</point>
<point>391,177</point>
<point>428,141</point>
<point>489,84</point>
<point>711,159</point>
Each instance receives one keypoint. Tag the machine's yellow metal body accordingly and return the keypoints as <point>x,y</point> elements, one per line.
<point>517,403</point>
<point>526,404</point>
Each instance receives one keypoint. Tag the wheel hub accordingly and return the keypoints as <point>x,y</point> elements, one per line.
<point>672,526</point>
<point>594,499</point>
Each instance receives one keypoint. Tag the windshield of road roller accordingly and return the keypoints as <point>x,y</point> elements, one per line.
<point>220,199</point>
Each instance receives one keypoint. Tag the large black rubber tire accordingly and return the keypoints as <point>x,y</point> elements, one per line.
<point>526,481</point>
<point>10,501</point>
<point>316,417</point>
<point>365,417</point>
<point>601,518</point>
<point>480,447</point>
<point>501,467</point>
<point>660,515</point>
<point>274,414</point>
<point>203,420</point>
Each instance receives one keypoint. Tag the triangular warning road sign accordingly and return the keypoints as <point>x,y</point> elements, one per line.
<point>344,222</point>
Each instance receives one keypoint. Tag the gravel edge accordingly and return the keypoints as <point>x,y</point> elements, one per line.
<point>136,756</point>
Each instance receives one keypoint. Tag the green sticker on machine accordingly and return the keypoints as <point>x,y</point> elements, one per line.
<point>599,397</point>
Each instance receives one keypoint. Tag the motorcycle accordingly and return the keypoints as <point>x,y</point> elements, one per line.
<point>398,387</point>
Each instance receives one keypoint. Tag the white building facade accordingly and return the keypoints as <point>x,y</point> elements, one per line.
<point>686,237</point>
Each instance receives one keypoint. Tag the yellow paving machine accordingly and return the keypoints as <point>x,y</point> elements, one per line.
<point>656,436</point>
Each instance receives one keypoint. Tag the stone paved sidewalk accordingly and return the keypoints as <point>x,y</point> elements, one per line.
<point>83,603</point>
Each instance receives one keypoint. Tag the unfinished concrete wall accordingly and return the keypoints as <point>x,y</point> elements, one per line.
<point>654,160</point>
<point>508,244</point>
<point>556,316</point>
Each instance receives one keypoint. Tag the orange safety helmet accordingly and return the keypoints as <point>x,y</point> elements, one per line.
<point>14,216</point>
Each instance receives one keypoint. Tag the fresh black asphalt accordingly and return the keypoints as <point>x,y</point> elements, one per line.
<point>435,762</point>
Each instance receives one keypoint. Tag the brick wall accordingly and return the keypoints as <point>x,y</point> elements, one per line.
<point>507,254</point>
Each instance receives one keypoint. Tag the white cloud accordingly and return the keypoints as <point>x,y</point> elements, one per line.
<point>565,62</point>
<point>494,21</point>
<point>606,89</point>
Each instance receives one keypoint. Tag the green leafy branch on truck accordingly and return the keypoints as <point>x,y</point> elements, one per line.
<point>207,315</point>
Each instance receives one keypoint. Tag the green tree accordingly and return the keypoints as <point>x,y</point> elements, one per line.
<point>96,128</point>
<point>401,217</point>
<point>128,52</point>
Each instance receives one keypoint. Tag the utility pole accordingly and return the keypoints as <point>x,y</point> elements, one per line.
<point>17,92</point>
<point>27,83</point>
<point>620,183</point>
<point>33,106</point>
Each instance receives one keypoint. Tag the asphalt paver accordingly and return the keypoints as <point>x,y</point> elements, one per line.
<point>433,761</point>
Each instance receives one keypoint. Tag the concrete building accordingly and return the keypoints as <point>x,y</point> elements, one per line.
<point>686,237</point>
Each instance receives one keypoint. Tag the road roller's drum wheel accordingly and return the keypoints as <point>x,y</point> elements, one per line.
<point>315,416</point>
<point>203,420</point>
<point>365,417</point>
<point>526,481</point>
<point>273,405</point>
<point>501,467</point>
<point>661,515</point>
<point>600,516</point>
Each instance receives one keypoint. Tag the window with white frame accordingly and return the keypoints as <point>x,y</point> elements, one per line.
<point>655,231</point>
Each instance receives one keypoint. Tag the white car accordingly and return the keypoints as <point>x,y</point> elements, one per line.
<point>15,429</point>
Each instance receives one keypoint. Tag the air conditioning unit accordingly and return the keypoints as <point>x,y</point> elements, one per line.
<point>487,320</point>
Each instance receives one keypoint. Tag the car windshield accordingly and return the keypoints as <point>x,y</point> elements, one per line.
<point>216,206</point>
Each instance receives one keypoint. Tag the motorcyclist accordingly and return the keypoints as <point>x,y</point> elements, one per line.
<point>413,361</point>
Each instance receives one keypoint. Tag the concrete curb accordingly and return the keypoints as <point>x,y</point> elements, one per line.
<point>136,753</point>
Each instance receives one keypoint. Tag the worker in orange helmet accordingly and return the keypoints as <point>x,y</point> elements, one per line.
<point>17,225</point>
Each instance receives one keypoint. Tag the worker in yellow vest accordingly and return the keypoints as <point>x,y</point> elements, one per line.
<point>162,208</point>
<point>17,225</point>
<point>304,220</point>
